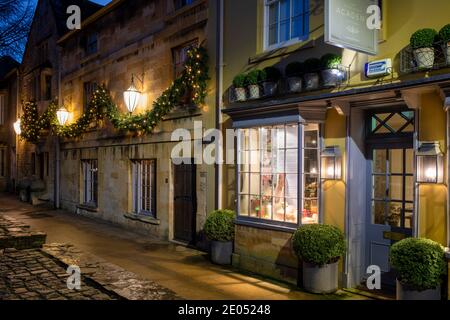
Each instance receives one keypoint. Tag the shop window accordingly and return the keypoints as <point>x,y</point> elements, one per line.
<point>2,109</point>
<point>90,182</point>
<point>47,87</point>
<point>270,173</point>
<point>179,55</point>
<point>286,22</point>
<point>88,90</point>
<point>144,187</point>
<point>2,162</point>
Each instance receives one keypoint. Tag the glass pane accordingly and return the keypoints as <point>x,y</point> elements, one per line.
<point>278,209</point>
<point>396,188</point>
<point>291,186</point>
<point>244,161</point>
<point>255,184</point>
<point>267,185</point>
<point>292,136</point>
<point>311,186</point>
<point>255,207</point>
<point>278,137</point>
<point>285,19</point>
<point>266,208</point>
<point>310,212</point>
<point>378,209</point>
<point>292,210</point>
<point>279,161</point>
<point>254,139</point>
<point>243,205</point>
<point>397,122</point>
<point>244,183</point>
<point>255,161</point>
<point>409,215</point>
<point>396,161</point>
<point>409,189</point>
<point>278,185</point>
<point>311,133</point>
<point>273,34</point>
<point>244,137</point>
<point>311,161</point>
<point>273,23</point>
<point>394,214</point>
<point>409,161</point>
<point>379,187</point>
<point>291,161</point>
<point>379,161</point>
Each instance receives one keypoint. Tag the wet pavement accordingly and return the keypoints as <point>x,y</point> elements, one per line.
<point>185,271</point>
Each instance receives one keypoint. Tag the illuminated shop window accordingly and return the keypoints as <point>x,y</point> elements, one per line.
<point>144,187</point>
<point>269,173</point>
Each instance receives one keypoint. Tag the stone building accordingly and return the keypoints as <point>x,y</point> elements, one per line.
<point>8,115</point>
<point>125,178</point>
<point>39,82</point>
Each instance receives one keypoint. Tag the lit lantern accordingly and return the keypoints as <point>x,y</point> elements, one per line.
<point>430,163</point>
<point>17,127</point>
<point>132,97</point>
<point>331,163</point>
<point>63,115</point>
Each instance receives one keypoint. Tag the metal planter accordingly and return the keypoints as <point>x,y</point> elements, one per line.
<point>221,252</point>
<point>322,280</point>
<point>295,84</point>
<point>406,293</point>
<point>312,81</point>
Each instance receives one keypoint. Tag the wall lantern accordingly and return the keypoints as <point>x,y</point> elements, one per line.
<point>132,95</point>
<point>63,115</point>
<point>331,163</point>
<point>430,163</point>
<point>17,127</point>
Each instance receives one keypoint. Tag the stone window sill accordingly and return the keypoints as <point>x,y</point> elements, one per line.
<point>87,208</point>
<point>265,226</point>
<point>141,218</point>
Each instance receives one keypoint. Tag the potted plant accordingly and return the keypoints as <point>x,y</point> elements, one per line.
<point>239,87</point>
<point>294,71</point>
<point>422,43</point>
<point>421,266</point>
<point>444,35</point>
<point>319,247</point>
<point>331,75</point>
<point>219,229</point>
<point>252,81</point>
<point>311,76</point>
<point>270,77</point>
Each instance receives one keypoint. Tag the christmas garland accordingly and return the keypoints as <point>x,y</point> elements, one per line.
<point>192,82</point>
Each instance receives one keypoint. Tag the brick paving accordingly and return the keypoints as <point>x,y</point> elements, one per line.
<point>14,234</point>
<point>33,275</point>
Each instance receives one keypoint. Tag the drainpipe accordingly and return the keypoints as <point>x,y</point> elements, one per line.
<point>347,281</point>
<point>448,176</point>
<point>18,104</point>
<point>219,93</point>
<point>58,142</point>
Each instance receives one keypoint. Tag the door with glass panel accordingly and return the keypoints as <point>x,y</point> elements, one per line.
<point>390,214</point>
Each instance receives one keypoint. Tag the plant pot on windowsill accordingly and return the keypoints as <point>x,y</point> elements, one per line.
<point>240,93</point>
<point>421,266</point>
<point>293,71</point>
<point>219,229</point>
<point>422,43</point>
<point>444,35</point>
<point>252,80</point>
<point>331,75</point>
<point>270,77</point>
<point>319,247</point>
<point>312,80</point>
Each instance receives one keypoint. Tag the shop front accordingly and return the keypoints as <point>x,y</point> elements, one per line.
<point>349,160</point>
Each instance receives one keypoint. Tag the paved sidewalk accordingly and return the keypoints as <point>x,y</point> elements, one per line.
<point>185,271</point>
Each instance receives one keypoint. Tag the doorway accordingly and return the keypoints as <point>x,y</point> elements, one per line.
<point>185,202</point>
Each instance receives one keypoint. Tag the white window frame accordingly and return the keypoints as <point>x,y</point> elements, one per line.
<point>2,109</point>
<point>282,44</point>
<point>90,182</point>
<point>144,187</point>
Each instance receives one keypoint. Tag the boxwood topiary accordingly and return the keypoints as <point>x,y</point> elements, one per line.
<point>294,69</point>
<point>239,81</point>
<point>423,38</point>
<point>420,263</point>
<point>253,77</point>
<point>319,244</point>
<point>271,74</point>
<point>444,33</point>
<point>219,225</point>
<point>330,61</point>
<point>312,65</point>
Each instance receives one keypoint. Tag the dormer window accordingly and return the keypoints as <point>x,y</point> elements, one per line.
<point>91,44</point>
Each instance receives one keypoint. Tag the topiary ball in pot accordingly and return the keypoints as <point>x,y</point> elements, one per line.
<point>422,42</point>
<point>294,71</point>
<point>269,78</point>
<point>239,87</point>
<point>312,67</point>
<point>319,247</point>
<point>252,82</point>
<point>444,36</point>
<point>219,228</point>
<point>420,265</point>
<point>331,75</point>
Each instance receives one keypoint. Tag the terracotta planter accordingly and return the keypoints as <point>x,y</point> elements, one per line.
<point>254,91</point>
<point>221,252</point>
<point>407,293</point>
<point>323,280</point>
<point>240,94</point>
<point>295,84</point>
<point>424,58</point>
<point>270,88</point>
<point>311,81</point>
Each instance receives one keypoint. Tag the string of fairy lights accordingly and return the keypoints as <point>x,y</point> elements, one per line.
<point>192,83</point>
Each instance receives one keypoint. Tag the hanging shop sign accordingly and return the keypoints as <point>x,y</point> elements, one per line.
<point>353,24</point>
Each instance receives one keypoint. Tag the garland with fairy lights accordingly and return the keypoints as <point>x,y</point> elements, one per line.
<point>192,82</point>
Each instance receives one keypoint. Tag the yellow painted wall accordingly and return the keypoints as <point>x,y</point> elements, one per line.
<point>432,198</point>
<point>334,191</point>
